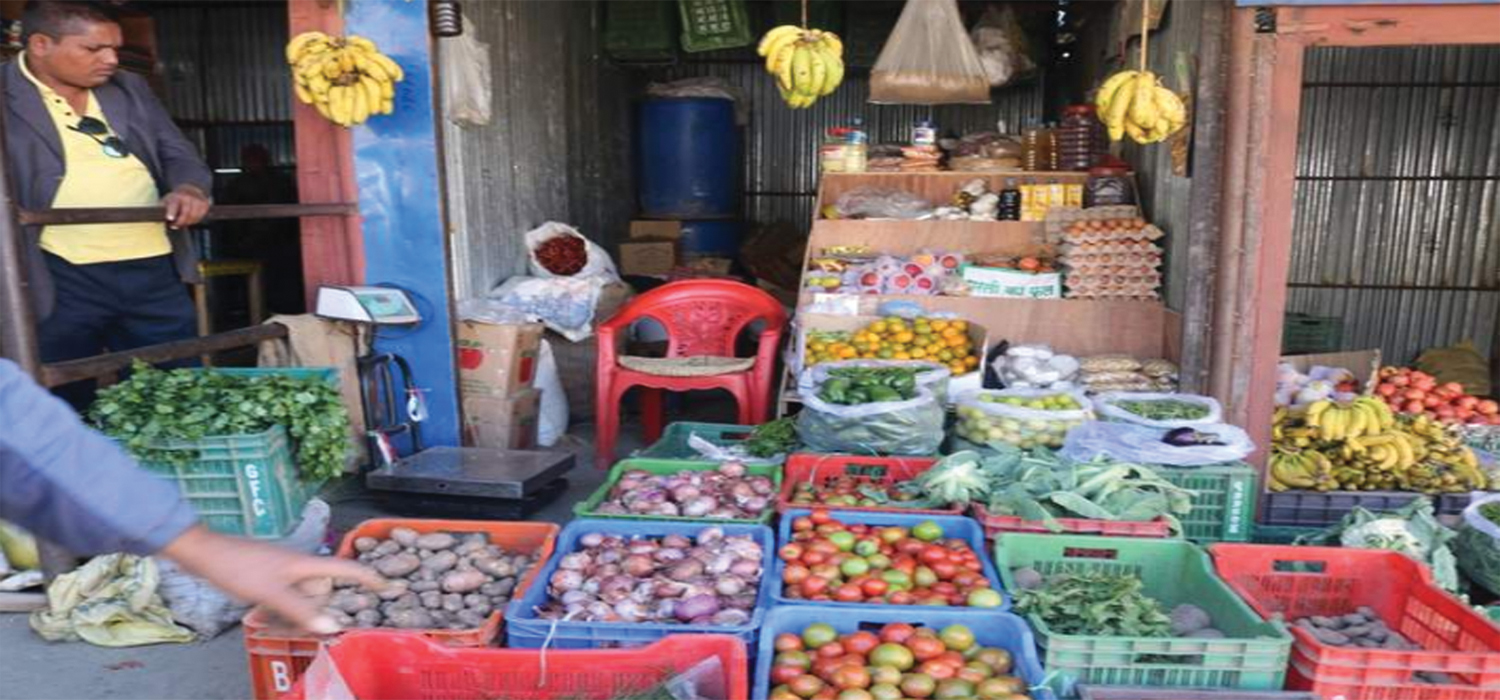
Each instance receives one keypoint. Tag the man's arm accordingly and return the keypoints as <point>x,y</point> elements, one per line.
<point>188,179</point>
<point>72,485</point>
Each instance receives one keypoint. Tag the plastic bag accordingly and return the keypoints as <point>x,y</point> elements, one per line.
<point>564,304</point>
<point>932,375</point>
<point>1035,367</point>
<point>552,422</point>
<point>910,427</point>
<point>1477,546</point>
<point>984,417</point>
<point>1001,45</point>
<point>1104,405</point>
<point>711,87</point>
<point>711,452</point>
<point>465,72</point>
<point>1142,445</point>
<point>199,606</point>
<point>881,203</point>
<point>598,262</point>
<point>929,59</point>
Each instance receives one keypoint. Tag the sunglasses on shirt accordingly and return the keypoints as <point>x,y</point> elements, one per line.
<point>99,132</point>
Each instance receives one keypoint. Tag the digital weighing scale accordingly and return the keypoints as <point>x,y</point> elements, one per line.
<point>466,482</point>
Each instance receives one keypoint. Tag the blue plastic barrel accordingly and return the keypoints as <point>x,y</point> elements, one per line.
<point>689,155</point>
<point>718,237</point>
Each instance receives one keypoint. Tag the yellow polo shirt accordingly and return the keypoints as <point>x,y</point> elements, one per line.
<point>93,179</point>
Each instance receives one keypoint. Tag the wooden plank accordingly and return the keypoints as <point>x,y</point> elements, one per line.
<point>902,238</point>
<point>934,187</point>
<point>59,373</point>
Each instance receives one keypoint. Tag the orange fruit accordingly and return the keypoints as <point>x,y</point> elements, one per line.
<point>971,361</point>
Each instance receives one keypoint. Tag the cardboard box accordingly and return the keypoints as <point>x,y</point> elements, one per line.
<point>1365,364</point>
<point>502,423</point>
<point>1015,284</point>
<point>657,230</point>
<point>648,258</point>
<point>497,360</point>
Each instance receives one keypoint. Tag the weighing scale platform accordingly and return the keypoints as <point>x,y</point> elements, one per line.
<point>482,483</point>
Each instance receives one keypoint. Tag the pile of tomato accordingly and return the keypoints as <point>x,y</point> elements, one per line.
<point>846,491</point>
<point>828,560</point>
<point>899,661</point>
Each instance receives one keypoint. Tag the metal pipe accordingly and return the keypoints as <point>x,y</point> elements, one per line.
<point>230,212</point>
<point>59,373</point>
<point>1231,243</point>
<point>17,321</point>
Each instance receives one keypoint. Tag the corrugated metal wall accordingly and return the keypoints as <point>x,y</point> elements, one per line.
<point>556,149</point>
<point>1398,196</point>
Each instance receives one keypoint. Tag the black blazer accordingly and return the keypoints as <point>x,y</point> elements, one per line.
<point>34,160</point>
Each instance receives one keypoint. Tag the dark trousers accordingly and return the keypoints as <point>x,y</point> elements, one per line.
<point>111,307</point>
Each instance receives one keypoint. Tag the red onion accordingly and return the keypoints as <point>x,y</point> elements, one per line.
<point>720,564</point>
<point>685,493</point>
<point>630,611</point>
<point>745,568</point>
<point>710,535</point>
<point>667,509</point>
<point>609,556</point>
<point>699,507</point>
<point>725,512</point>
<point>600,611</point>
<point>669,554</point>
<point>761,485</point>
<point>733,470</point>
<point>566,580</point>
<point>574,597</point>
<point>697,606</point>
<point>729,585</point>
<point>577,561</point>
<point>642,547</point>
<point>731,618</point>
<point>756,504</point>
<point>638,565</point>
<point>669,589</point>
<point>676,542</point>
<point>607,571</point>
<point>741,491</point>
<point>686,569</point>
<point>744,601</point>
<point>591,540</point>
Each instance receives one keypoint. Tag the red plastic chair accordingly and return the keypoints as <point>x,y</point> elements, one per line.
<point>702,318</point>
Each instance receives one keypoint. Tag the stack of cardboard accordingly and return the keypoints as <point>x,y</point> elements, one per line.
<point>652,248</point>
<point>497,366</point>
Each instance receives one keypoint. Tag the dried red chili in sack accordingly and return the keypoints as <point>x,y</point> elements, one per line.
<point>562,255</point>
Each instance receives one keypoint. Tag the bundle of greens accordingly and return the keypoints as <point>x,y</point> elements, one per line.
<point>1095,603</point>
<point>777,437</point>
<point>155,406</point>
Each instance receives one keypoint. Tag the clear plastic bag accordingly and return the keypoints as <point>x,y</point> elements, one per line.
<point>929,59</point>
<point>1477,546</point>
<point>466,77</point>
<point>1002,46</point>
<point>932,375</point>
<point>1104,405</point>
<point>984,417</point>
<point>881,203</point>
<point>910,427</point>
<point>1142,445</point>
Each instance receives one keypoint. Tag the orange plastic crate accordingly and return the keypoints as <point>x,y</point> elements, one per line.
<point>1296,582</point>
<point>278,656</point>
<point>884,471</point>
<point>379,664</point>
<point>996,524</point>
<point>1300,677</point>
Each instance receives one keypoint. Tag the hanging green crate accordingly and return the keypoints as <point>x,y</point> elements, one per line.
<point>711,25</point>
<point>639,30</point>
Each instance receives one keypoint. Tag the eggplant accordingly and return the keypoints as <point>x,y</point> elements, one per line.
<point>1187,437</point>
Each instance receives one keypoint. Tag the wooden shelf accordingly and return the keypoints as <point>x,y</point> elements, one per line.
<point>907,237</point>
<point>934,187</point>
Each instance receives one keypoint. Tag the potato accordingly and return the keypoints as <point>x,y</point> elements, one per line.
<point>425,585</point>
<point>498,567</point>
<point>365,544</point>
<point>432,600</point>
<point>500,601</point>
<point>409,600</point>
<point>453,602</point>
<point>404,536</point>
<point>410,619</point>
<point>387,548</point>
<point>343,619</point>
<point>463,581</point>
<point>472,543</point>
<point>440,562</point>
<point>478,604</point>
<point>352,602</point>
<point>397,565</point>
<point>440,618</point>
<point>394,589</point>
<point>436,541</point>
<point>368,618</point>
<point>469,619</point>
<point>424,575</point>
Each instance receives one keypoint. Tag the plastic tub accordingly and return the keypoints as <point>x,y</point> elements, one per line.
<point>883,471</point>
<point>672,466</point>
<point>991,629</point>
<point>524,630</point>
<point>954,527</point>
<point>1252,657</point>
<point>378,664</point>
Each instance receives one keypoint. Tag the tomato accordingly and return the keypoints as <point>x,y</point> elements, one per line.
<point>861,643</point>
<point>851,677</point>
<point>985,598</point>
<point>954,689</point>
<point>785,674</point>
<point>843,540</point>
<point>957,637</point>
<point>957,600</point>
<point>802,524</point>
<point>999,660</point>
<point>782,692</point>
<point>889,675</point>
<point>977,666</point>
<point>945,570</point>
<point>820,516</point>
<point>787,641</point>
<point>934,600</point>
<point>972,675</point>
<point>838,558</point>
<point>892,535</point>
<point>848,593</point>
<point>816,635</point>
<point>925,647</point>
<point>813,558</point>
<point>938,669</point>
<point>918,685</point>
<point>831,650</point>
<point>912,547</point>
<point>827,693</point>
<point>956,544</point>
<point>874,588</point>
<point>924,577</point>
<point>854,566</point>
<point>884,691</point>
<point>951,657</point>
<point>790,552</point>
<point>901,598</point>
<point>866,547</point>
<point>827,529</point>
<point>896,633</point>
<point>879,561</point>
<point>904,563</point>
<point>944,588</point>
<point>827,571</point>
<point>896,578</point>
<point>965,579</point>
<point>795,574</point>
<point>999,685</point>
<point>814,585</point>
<point>824,546</point>
<point>854,694</point>
<point>806,686</point>
<point>933,554</point>
<point>797,659</point>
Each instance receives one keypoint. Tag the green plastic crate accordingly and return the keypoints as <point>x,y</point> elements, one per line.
<point>674,440</point>
<point>639,30</point>
<point>1253,656</point>
<point>711,25</point>
<point>672,466</point>
<point>1302,334</point>
<point>1223,503</point>
<point>244,484</point>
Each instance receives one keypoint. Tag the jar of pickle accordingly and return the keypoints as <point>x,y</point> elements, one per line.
<point>1080,139</point>
<point>1108,187</point>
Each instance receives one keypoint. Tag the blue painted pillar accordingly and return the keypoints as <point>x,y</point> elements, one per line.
<point>400,196</point>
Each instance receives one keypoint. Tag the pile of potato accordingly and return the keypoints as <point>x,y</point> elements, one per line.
<point>1363,629</point>
<point>440,580</point>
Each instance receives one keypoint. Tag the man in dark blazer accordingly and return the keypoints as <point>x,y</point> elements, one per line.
<point>81,133</point>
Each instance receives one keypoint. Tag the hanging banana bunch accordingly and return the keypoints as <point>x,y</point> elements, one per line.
<point>807,63</point>
<point>346,79</point>
<point>1135,103</point>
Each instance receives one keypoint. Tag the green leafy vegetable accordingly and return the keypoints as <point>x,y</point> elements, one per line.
<point>1095,603</point>
<point>774,438</point>
<point>1164,409</point>
<point>154,406</point>
<point>1412,530</point>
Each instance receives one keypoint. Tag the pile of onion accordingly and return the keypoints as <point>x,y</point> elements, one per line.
<point>722,493</point>
<point>708,580</point>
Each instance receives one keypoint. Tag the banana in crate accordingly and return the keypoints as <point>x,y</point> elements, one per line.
<point>347,80</point>
<point>807,63</point>
<point>1135,103</point>
<point>1362,446</point>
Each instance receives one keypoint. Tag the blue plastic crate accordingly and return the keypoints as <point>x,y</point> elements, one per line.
<point>523,630</point>
<point>991,628</point>
<point>954,527</point>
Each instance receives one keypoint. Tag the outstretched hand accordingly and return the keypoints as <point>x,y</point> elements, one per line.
<point>186,206</point>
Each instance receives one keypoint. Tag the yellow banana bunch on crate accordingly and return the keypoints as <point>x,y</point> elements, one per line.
<point>807,63</point>
<point>1135,103</point>
<point>347,80</point>
<point>1362,445</point>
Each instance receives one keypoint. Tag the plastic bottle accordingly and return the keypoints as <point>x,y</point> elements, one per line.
<point>1036,144</point>
<point>924,133</point>
<point>1010,202</point>
<point>857,150</point>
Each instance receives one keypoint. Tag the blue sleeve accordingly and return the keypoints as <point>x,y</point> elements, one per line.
<point>74,487</point>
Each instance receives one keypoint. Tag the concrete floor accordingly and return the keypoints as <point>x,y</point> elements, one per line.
<point>32,669</point>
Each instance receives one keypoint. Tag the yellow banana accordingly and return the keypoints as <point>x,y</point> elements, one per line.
<point>324,110</point>
<point>302,94</point>
<point>362,44</point>
<point>387,105</point>
<point>318,86</point>
<point>1170,106</point>
<point>390,66</point>
<point>333,67</point>
<point>1356,426</point>
<point>373,96</point>
<point>783,65</point>
<point>338,104</point>
<point>819,73</point>
<point>801,67</point>
<point>359,105</point>
<point>776,36</point>
<point>1143,105</point>
<point>1315,412</point>
<point>372,68</point>
<point>835,75</point>
<point>1136,133</point>
<point>834,44</point>
<point>346,60</point>
<point>299,43</point>
<point>1106,93</point>
<point>1119,110</point>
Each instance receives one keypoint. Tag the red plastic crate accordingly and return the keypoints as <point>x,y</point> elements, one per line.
<point>1299,677</point>
<point>996,524</point>
<point>379,664</point>
<point>884,471</point>
<point>278,656</point>
<point>1296,582</point>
